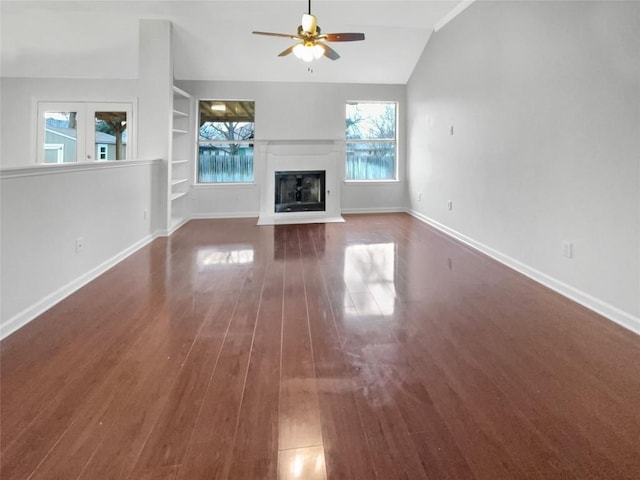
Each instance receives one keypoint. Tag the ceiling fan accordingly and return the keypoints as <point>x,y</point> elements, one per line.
<point>311,41</point>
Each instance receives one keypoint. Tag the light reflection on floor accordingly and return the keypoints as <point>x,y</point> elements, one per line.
<point>302,463</point>
<point>369,274</point>
<point>224,255</point>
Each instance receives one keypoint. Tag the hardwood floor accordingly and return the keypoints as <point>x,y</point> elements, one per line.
<point>377,348</point>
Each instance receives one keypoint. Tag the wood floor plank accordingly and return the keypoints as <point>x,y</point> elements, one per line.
<point>345,442</point>
<point>136,390</point>
<point>210,447</point>
<point>165,448</point>
<point>375,348</point>
<point>26,387</point>
<point>255,446</point>
<point>78,389</point>
<point>299,413</point>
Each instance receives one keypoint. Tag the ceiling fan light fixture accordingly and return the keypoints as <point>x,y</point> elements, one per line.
<point>308,51</point>
<point>318,51</point>
<point>298,49</point>
<point>311,41</point>
<point>307,54</point>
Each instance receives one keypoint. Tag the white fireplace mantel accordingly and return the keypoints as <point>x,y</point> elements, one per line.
<point>292,155</point>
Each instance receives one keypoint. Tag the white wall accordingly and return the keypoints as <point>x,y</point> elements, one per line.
<point>544,101</point>
<point>299,111</point>
<point>45,209</point>
<point>155,81</point>
<point>155,92</point>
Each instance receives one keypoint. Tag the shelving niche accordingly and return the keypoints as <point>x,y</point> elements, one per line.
<point>179,168</point>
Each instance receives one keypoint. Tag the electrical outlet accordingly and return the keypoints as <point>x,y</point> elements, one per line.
<point>419,196</point>
<point>567,249</point>
<point>79,244</point>
<point>145,214</point>
<point>450,205</point>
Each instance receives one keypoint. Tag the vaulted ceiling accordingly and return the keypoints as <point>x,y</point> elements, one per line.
<point>212,39</point>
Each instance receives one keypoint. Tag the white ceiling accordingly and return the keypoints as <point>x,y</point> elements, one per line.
<point>212,39</point>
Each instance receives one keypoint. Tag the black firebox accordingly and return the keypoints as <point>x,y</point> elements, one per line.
<point>300,191</point>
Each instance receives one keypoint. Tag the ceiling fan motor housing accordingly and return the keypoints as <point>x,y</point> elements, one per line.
<point>309,23</point>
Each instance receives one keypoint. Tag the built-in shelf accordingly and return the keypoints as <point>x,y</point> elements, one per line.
<point>175,196</point>
<point>182,145</point>
<point>182,93</point>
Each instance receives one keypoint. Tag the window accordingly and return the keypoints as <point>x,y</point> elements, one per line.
<point>76,132</point>
<point>59,135</point>
<point>225,144</point>
<point>371,129</point>
<point>102,152</point>
<point>110,130</point>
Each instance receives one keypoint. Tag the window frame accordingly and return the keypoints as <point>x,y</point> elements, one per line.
<point>199,142</point>
<point>393,141</point>
<point>85,127</point>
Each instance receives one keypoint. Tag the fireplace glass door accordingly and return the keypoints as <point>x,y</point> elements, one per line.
<point>300,191</point>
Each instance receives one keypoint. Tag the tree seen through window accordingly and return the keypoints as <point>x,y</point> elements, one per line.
<point>225,146</point>
<point>371,129</point>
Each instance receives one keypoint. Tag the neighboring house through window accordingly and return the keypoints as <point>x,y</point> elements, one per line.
<point>225,142</point>
<point>371,131</point>
<point>53,153</point>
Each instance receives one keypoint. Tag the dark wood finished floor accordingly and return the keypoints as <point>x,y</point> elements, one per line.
<point>377,348</point>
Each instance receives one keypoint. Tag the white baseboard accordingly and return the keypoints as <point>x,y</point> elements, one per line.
<point>214,216</point>
<point>374,210</point>
<point>177,226</point>
<point>609,311</point>
<point>29,313</point>
<point>614,314</point>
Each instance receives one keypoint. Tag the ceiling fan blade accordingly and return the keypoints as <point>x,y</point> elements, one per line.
<point>329,52</point>
<point>287,51</point>
<point>343,37</point>
<point>271,34</point>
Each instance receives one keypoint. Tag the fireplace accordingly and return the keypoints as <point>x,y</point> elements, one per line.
<point>300,191</point>
<point>299,181</point>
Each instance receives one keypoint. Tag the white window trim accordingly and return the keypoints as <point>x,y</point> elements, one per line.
<point>196,172</point>
<point>126,107</point>
<point>396,179</point>
<point>85,149</point>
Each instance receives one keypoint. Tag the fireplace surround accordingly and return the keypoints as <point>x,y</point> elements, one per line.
<point>300,156</point>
